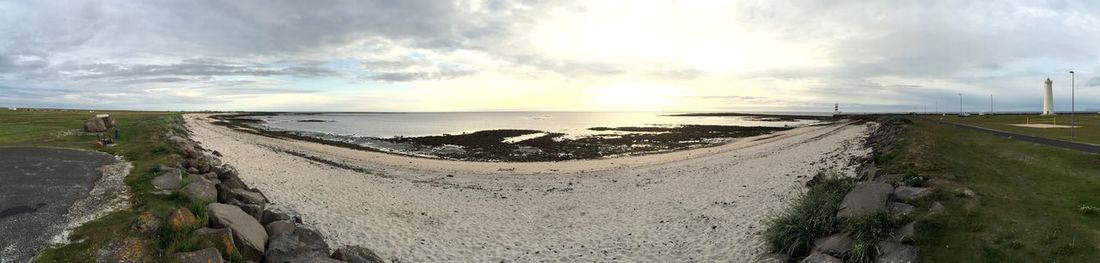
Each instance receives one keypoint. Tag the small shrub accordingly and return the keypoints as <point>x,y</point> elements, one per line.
<point>810,217</point>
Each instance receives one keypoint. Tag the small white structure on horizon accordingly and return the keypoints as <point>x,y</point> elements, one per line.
<point>1048,99</point>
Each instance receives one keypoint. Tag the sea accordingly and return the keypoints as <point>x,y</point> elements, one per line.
<point>573,124</point>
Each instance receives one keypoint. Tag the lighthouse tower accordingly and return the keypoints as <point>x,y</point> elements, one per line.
<point>1048,99</point>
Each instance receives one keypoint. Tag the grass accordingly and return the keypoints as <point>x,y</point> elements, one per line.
<point>142,142</point>
<point>1029,198</point>
<point>812,216</point>
<point>1089,131</point>
<point>866,232</point>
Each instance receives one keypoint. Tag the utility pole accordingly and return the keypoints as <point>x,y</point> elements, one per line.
<point>990,104</point>
<point>1072,104</point>
<point>960,104</point>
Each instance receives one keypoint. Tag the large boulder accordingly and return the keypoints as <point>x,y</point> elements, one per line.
<point>181,218</point>
<point>818,257</point>
<point>169,179</point>
<point>358,254</point>
<point>911,193</point>
<point>253,210</point>
<point>279,227</point>
<point>145,223</point>
<point>892,252</point>
<point>201,190</point>
<point>248,197</point>
<point>94,124</point>
<point>899,210</point>
<point>233,181</point>
<point>296,245</point>
<point>220,238</point>
<point>905,233</point>
<point>248,234</point>
<point>835,245</point>
<point>208,255</point>
<point>864,199</point>
<point>271,216</point>
<point>123,250</point>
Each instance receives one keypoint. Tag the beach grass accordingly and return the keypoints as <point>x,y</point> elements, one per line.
<point>812,216</point>
<point>1087,132</point>
<point>142,142</point>
<point>1028,204</point>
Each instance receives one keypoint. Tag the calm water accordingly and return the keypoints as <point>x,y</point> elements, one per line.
<point>388,125</point>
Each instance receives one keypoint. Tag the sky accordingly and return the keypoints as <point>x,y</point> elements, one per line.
<point>508,55</point>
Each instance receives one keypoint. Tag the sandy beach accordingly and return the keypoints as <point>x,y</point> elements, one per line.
<point>705,204</point>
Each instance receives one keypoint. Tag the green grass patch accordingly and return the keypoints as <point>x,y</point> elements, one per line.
<point>1028,198</point>
<point>812,216</point>
<point>1088,131</point>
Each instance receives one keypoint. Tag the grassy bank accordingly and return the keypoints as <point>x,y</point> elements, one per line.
<point>141,142</point>
<point>1029,204</point>
<point>1088,131</point>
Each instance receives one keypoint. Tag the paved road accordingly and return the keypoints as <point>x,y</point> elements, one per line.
<point>1084,147</point>
<point>38,186</point>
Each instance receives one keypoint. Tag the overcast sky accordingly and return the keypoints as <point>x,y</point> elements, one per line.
<point>421,55</point>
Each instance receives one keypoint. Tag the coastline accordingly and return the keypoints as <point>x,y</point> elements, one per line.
<point>706,203</point>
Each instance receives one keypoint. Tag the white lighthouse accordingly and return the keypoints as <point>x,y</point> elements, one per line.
<point>1048,99</point>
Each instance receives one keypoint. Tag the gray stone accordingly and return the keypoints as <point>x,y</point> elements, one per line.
<point>965,192</point>
<point>279,227</point>
<point>911,193</point>
<point>169,179</point>
<point>225,195</point>
<point>905,233</point>
<point>818,257</point>
<point>836,244</point>
<point>900,209</point>
<point>272,216</point>
<point>196,178</point>
<point>298,245</point>
<point>233,181</point>
<point>220,238</point>
<point>937,208</point>
<point>766,258</point>
<point>123,250</point>
<point>213,177</point>
<point>248,197</point>
<point>248,234</point>
<point>208,255</point>
<point>358,254</point>
<point>146,223</point>
<point>201,190</point>
<point>893,252</point>
<point>253,210</point>
<point>864,199</point>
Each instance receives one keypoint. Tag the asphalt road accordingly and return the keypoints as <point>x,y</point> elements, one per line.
<point>38,187</point>
<point>1084,147</point>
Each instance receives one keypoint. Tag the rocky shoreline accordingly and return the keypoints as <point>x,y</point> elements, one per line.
<point>234,222</point>
<point>505,145</point>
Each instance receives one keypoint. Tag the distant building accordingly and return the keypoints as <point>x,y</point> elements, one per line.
<point>13,108</point>
<point>1048,98</point>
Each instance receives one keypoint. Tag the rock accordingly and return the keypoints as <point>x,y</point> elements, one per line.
<point>892,252</point>
<point>253,210</point>
<point>899,210</point>
<point>234,182</point>
<point>94,124</point>
<point>181,218</point>
<point>225,195</point>
<point>169,179</point>
<point>818,257</point>
<point>220,238</point>
<point>767,258</point>
<point>911,193</point>
<point>867,170</point>
<point>208,255</point>
<point>937,208</point>
<point>201,164</point>
<point>211,176</point>
<point>122,250</point>
<point>200,178</point>
<point>248,234</point>
<point>965,192</point>
<point>358,254</point>
<point>201,190</point>
<point>279,227</point>
<point>271,216</point>
<point>905,233</point>
<point>836,244</point>
<point>296,245</point>
<point>145,223</point>
<point>248,197</point>
<point>864,199</point>
<point>225,171</point>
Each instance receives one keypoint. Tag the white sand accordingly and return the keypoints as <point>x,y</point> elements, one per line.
<point>704,204</point>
